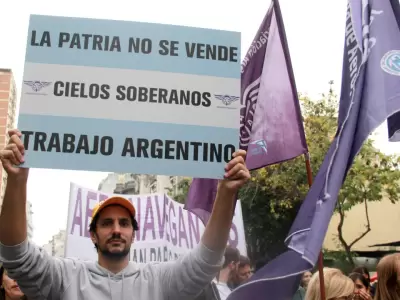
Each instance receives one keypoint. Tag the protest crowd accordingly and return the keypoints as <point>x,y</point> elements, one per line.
<point>212,269</point>
<point>209,272</point>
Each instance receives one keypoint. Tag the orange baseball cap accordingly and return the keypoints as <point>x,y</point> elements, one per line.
<point>116,200</point>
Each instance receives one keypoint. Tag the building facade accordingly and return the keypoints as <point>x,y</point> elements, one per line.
<point>384,219</point>
<point>56,246</point>
<point>8,114</point>
<point>134,184</point>
<point>8,106</point>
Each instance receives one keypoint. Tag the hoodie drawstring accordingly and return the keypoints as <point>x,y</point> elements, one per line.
<point>109,286</point>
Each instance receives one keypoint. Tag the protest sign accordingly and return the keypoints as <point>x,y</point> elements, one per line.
<point>166,230</point>
<point>118,96</point>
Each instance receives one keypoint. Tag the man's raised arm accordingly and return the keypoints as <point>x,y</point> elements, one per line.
<point>216,234</point>
<point>194,271</point>
<point>13,214</point>
<point>39,275</point>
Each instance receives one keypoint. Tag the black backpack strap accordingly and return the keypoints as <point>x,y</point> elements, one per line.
<point>215,291</point>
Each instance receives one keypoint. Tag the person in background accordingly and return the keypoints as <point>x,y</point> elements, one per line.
<point>112,231</point>
<point>361,284</point>
<point>9,289</point>
<point>388,285</point>
<point>244,269</point>
<point>337,286</point>
<point>365,272</point>
<point>305,279</point>
<point>301,291</point>
<point>227,272</point>
<point>243,272</point>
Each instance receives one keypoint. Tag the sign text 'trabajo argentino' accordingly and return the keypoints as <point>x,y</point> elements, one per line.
<point>96,42</point>
<point>132,147</point>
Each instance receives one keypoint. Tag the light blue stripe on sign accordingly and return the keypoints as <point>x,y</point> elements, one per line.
<point>124,59</point>
<point>119,131</point>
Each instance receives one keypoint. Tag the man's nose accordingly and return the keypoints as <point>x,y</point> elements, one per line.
<point>116,227</point>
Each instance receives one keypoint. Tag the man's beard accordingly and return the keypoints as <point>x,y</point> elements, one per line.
<point>233,278</point>
<point>115,256</point>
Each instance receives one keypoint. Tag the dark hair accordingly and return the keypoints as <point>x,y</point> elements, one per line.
<point>93,224</point>
<point>2,291</point>
<point>354,276</point>
<point>231,255</point>
<point>363,271</point>
<point>243,261</point>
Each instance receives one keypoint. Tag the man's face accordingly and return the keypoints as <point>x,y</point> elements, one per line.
<point>244,273</point>
<point>114,232</point>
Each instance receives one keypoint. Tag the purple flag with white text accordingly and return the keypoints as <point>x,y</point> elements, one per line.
<point>370,94</point>
<point>271,123</point>
<point>394,120</point>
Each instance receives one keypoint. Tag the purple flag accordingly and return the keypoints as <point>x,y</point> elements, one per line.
<point>394,120</point>
<point>370,94</point>
<point>271,123</point>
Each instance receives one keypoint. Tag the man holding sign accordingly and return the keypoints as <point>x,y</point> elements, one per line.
<point>41,276</point>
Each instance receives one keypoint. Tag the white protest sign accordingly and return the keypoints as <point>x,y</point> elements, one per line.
<point>166,230</point>
<point>118,96</point>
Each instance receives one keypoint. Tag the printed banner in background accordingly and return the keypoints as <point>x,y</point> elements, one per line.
<point>166,229</point>
<point>116,96</point>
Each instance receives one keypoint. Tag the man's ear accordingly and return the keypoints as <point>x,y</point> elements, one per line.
<point>93,237</point>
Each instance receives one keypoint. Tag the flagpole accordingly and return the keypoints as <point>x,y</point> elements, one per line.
<point>321,255</point>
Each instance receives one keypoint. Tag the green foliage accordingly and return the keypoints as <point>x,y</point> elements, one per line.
<point>271,199</point>
<point>180,190</point>
<point>337,259</point>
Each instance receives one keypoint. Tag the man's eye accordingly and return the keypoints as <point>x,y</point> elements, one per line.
<point>107,223</point>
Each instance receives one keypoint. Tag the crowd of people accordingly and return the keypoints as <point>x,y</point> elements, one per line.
<point>357,285</point>
<point>209,272</point>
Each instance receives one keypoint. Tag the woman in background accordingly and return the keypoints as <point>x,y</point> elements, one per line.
<point>337,286</point>
<point>365,272</point>
<point>388,286</point>
<point>301,291</point>
<point>9,289</point>
<point>362,286</point>
<point>305,279</point>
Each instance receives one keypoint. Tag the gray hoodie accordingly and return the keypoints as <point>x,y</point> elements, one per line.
<point>41,276</point>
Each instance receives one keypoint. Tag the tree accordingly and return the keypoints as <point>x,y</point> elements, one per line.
<point>372,177</point>
<point>180,190</point>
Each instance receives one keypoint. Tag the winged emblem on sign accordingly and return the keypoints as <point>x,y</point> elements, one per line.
<point>37,85</point>
<point>226,99</point>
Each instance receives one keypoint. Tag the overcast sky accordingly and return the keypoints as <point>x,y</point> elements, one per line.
<point>315,30</point>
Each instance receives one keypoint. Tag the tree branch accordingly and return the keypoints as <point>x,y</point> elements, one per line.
<point>367,227</point>
<point>340,225</point>
<point>346,247</point>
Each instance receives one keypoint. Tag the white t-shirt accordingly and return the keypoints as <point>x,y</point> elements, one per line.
<point>223,289</point>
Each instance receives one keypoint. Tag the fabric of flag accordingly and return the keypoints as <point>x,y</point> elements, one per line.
<point>394,120</point>
<point>271,127</point>
<point>370,93</point>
